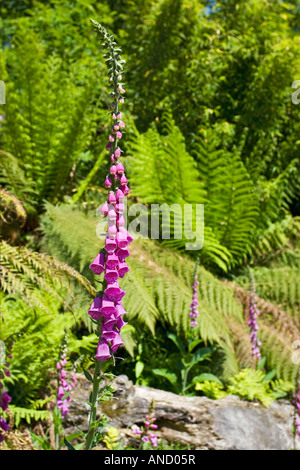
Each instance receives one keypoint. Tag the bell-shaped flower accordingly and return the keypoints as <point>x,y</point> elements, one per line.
<point>126,190</point>
<point>98,264</point>
<point>120,310</point>
<point>122,269</point>
<point>112,198</point>
<point>111,229</point>
<point>119,207</point>
<point>120,196</point>
<point>121,239</point>
<point>120,169</point>
<point>108,306</point>
<point>122,253</point>
<point>112,215</point>
<point>111,275</point>
<point>123,180</point>
<point>104,209</point>
<point>120,323</point>
<point>95,309</point>
<point>114,292</point>
<point>112,261</point>
<point>108,182</point>
<point>120,220</point>
<point>116,342</point>
<point>103,351</point>
<point>110,245</point>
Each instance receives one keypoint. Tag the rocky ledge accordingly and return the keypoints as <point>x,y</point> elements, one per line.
<point>197,422</point>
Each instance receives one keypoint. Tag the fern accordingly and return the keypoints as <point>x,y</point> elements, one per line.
<point>280,285</point>
<point>278,243</point>
<point>57,121</point>
<point>29,415</point>
<point>248,384</point>
<point>27,273</point>
<point>159,276</point>
<point>233,216</point>
<point>172,178</point>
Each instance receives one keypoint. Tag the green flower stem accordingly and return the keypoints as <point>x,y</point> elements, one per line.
<point>93,403</point>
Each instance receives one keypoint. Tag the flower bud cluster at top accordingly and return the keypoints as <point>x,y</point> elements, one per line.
<point>5,398</point>
<point>107,309</point>
<point>252,321</point>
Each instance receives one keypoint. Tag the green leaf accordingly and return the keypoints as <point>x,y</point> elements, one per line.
<point>79,446</point>
<point>201,354</point>
<point>170,376</point>
<point>194,343</point>
<point>88,375</point>
<point>261,363</point>
<point>68,445</point>
<point>206,376</point>
<point>177,341</point>
<point>139,366</point>
<point>76,434</point>
<point>269,376</point>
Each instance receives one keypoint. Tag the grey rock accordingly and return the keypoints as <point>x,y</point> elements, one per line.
<point>197,422</point>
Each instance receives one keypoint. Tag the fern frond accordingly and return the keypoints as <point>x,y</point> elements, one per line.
<point>51,118</point>
<point>25,273</point>
<point>233,216</point>
<point>28,415</point>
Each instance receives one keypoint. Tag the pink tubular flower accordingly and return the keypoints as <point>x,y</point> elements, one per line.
<point>102,353</point>
<point>112,261</point>
<point>4,425</point>
<point>120,196</point>
<point>123,180</point>
<point>95,308</point>
<point>112,198</point>
<point>5,399</point>
<point>110,245</point>
<point>113,170</point>
<point>120,169</point>
<point>123,269</point>
<point>126,190</point>
<point>145,433</point>
<point>98,264</point>
<point>65,389</point>
<point>137,431</point>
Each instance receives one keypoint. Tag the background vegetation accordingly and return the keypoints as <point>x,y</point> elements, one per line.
<point>210,120</point>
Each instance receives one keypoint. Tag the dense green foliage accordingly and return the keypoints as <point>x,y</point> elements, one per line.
<point>210,121</point>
